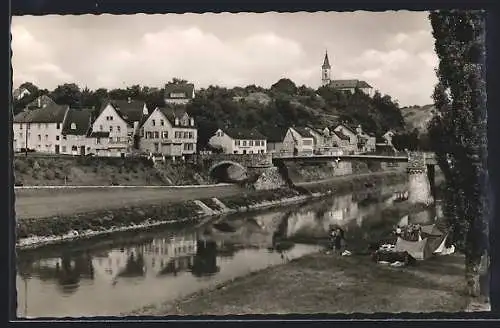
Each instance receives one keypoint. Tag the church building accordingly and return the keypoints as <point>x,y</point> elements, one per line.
<point>342,85</point>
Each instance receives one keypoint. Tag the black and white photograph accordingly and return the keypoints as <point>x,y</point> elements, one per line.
<point>250,163</point>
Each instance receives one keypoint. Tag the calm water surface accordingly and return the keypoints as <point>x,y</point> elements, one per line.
<point>95,279</point>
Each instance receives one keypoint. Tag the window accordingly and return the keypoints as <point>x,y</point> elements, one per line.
<point>176,121</point>
<point>20,126</point>
<point>148,135</point>
<point>153,122</point>
<point>191,135</point>
<point>58,126</point>
<point>39,137</point>
<point>177,133</point>
<point>63,148</point>
<point>162,122</point>
<point>236,142</point>
<point>244,143</point>
<point>165,135</point>
<point>307,142</point>
<point>110,128</point>
<point>118,128</point>
<point>98,141</point>
<point>57,138</point>
<point>188,146</point>
<point>28,126</point>
<point>186,135</point>
<point>64,138</point>
<point>74,148</point>
<point>157,135</point>
<point>100,128</point>
<point>73,126</point>
<point>142,132</point>
<point>250,143</point>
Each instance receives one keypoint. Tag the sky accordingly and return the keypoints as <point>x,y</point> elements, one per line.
<point>393,51</point>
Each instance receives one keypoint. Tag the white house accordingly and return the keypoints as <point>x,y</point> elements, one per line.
<point>388,137</point>
<point>350,86</point>
<point>366,141</point>
<point>179,93</point>
<point>298,141</point>
<point>75,128</point>
<point>343,129</point>
<point>239,141</point>
<point>39,129</point>
<point>169,131</point>
<point>121,119</point>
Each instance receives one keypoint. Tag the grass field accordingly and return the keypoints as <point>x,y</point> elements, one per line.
<point>323,283</point>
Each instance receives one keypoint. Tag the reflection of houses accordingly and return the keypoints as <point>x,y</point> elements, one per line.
<point>205,260</point>
<point>67,270</point>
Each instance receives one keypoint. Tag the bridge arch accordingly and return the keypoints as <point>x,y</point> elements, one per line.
<point>228,171</point>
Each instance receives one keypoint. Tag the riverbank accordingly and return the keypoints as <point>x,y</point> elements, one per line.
<point>36,232</point>
<point>321,283</point>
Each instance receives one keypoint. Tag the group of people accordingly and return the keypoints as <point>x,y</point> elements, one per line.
<point>412,232</point>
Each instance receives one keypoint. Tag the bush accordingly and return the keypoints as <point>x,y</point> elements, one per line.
<point>50,175</point>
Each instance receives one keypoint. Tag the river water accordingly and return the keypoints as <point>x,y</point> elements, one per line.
<point>113,277</point>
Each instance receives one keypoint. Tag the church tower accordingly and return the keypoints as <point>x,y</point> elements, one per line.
<point>325,71</point>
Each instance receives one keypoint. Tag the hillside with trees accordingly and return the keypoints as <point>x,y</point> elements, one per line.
<point>283,104</point>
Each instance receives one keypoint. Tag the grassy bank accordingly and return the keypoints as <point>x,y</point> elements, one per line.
<point>69,170</point>
<point>323,283</point>
<point>125,217</point>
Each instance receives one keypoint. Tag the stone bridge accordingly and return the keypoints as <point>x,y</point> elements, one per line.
<point>240,167</point>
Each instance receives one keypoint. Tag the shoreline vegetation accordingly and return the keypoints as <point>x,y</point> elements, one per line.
<point>37,232</point>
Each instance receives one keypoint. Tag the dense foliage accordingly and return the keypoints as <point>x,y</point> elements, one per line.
<point>458,132</point>
<point>283,104</point>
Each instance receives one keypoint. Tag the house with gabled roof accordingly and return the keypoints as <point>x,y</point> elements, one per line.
<point>239,141</point>
<point>324,142</point>
<point>345,133</point>
<point>40,102</point>
<point>179,93</point>
<point>169,131</point>
<point>74,133</point>
<point>121,118</point>
<point>20,93</point>
<point>39,129</point>
<point>298,141</point>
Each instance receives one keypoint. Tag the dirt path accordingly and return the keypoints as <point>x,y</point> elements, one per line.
<point>45,203</point>
<point>329,284</point>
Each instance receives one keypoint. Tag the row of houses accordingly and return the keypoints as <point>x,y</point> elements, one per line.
<point>120,127</point>
<point>307,140</point>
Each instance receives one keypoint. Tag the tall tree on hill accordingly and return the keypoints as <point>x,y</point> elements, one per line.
<point>458,131</point>
<point>285,86</point>
<point>67,94</point>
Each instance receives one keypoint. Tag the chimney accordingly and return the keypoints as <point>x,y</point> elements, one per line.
<point>145,110</point>
<point>129,100</point>
<point>39,100</point>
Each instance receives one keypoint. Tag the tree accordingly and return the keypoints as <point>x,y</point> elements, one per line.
<point>67,94</point>
<point>285,86</point>
<point>458,131</point>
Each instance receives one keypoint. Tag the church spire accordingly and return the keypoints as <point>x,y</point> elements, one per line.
<point>325,71</point>
<point>326,62</point>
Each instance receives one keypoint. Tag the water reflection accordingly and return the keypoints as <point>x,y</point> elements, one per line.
<point>162,266</point>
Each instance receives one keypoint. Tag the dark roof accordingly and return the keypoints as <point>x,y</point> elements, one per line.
<point>326,62</point>
<point>341,135</point>
<point>349,84</point>
<point>174,112</point>
<point>347,126</point>
<point>130,111</point>
<point>99,134</point>
<point>240,133</point>
<point>186,88</point>
<point>52,113</point>
<point>304,132</point>
<point>82,120</point>
<point>274,134</point>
